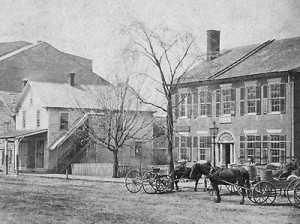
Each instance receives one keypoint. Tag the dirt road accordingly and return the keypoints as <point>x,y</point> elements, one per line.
<point>25,199</point>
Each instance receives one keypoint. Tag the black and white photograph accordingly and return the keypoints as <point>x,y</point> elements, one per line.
<point>149,111</point>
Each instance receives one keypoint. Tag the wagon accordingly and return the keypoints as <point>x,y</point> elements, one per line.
<point>265,192</point>
<point>151,182</point>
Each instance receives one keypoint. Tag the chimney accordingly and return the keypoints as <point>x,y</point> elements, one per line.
<point>24,82</point>
<point>71,79</point>
<point>213,44</point>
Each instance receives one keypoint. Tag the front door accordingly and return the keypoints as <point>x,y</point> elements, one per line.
<point>227,154</point>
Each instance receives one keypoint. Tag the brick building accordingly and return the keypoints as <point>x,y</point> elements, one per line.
<point>251,93</point>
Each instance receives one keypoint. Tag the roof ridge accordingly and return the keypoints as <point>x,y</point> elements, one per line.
<point>19,51</point>
<point>240,60</point>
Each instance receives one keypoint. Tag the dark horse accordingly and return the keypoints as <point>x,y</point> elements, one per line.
<point>219,176</point>
<point>199,169</point>
<point>182,171</point>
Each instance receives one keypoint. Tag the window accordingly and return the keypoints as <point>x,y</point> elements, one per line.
<point>182,104</point>
<point>277,97</point>
<point>185,148</point>
<point>64,121</point>
<point>250,148</point>
<point>6,126</point>
<point>277,148</point>
<point>205,103</point>
<point>38,118</point>
<point>225,102</point>
<point>24,119</point>
<point>138,148</point>
<point>204,147</point>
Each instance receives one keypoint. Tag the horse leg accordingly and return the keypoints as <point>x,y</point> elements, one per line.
<point>216,189</point>
<point>176,184</point>
<point>205,184</point>
<point>241,184</point>
<point>196,184</point>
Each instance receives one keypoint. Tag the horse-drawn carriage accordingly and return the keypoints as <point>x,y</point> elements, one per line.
<point>258,189</point>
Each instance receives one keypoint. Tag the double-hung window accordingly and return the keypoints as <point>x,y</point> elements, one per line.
<point>225,101</point>
<point>277,97</point>
<point>64,121</point>
<point>204,147</point>
<point>250,99</point>
<point>277,148</point>
<point>205,102</point>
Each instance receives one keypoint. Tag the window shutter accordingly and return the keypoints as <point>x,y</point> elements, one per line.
<point>195,142</point>
<point>176,105</point>
<point>242,101</point>
<point>232,106</point>
<point>189,105</point>
<point>209,103</point>
<point>176,142</point>
<point>282,97</point>
<point>195,102</point>
<point>218,102</point>
<point>265,99</point>
<point>258,100</point>
<point>189,146</point>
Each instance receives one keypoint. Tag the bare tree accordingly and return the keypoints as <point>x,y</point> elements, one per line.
<point>171,54</point>
<point>115,116</point>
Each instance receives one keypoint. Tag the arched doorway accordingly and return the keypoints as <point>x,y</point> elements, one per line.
<point>226,149</point>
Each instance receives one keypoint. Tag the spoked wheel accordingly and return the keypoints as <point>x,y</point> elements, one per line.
<point>290,191</point>
<point>133,181</point>
<point>233,189</point>
<point>149,182</point>
<point>163,183</point>
<point>297,194</point>
<point>264,193</point>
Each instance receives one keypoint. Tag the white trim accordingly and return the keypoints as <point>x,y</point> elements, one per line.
<point>250,132</point>
<point>205,133</point>
<point>275,80</point>
<point>274,131</point>
<point>186,134</point>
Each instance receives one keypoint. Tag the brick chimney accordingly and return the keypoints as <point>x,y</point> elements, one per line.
<point>71,79</point>
<point>213,44</point>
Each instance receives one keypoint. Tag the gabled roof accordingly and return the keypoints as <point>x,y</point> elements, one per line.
<point>9,47</point>
<point>9,100</point>
<point>268,57</point>
<point>62,95</point>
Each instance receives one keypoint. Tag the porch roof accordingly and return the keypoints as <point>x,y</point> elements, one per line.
<point>20,134</point>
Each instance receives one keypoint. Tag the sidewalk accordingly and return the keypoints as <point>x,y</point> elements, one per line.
<point>75,177</point>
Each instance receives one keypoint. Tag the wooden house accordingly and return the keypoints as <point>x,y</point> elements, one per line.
<point>49,117</point>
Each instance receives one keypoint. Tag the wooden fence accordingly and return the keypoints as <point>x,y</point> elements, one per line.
<point>106,169</point>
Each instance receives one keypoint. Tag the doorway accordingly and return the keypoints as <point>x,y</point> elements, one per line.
<point>227,154</point>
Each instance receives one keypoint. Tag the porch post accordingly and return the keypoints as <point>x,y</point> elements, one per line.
<point>17,156</point>
<point>6,155</point>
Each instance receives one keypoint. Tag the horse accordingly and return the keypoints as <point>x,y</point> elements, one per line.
<point>199,169</point>
<point>287,170</point>
<point>219,176</point>
<point>182,171</point>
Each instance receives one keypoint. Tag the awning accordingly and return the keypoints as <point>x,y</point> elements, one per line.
<point>21,134</point>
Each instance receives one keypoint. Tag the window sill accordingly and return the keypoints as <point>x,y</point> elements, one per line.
<point>275,113</point>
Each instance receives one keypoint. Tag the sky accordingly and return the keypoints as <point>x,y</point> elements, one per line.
<point>91,28</point>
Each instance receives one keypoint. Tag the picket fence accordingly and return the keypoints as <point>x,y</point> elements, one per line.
<point>106,169</point>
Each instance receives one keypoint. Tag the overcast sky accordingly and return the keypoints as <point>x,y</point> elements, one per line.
<point>89,28</point>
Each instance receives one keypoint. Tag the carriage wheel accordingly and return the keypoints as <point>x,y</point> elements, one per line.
<point>133,181</point>
<point>290,191</point>
<point>264,193</point>
<point>163,183</point>
<point>234,189</point>
<point>149,182</point>
<point>297,194</point>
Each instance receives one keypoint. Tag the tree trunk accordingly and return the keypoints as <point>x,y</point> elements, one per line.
<point>169,120</point>
<point>116,164</point>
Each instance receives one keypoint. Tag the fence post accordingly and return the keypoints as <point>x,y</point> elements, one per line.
<point>67,173</point>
